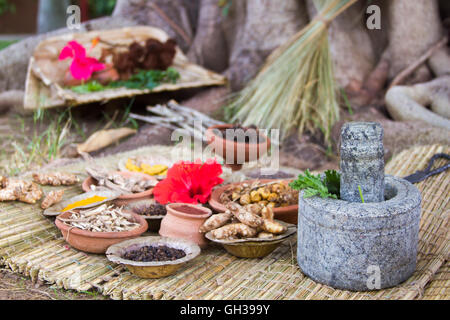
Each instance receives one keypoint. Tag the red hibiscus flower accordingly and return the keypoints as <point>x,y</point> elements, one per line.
<point>189,182</point>
<point>82,66</point>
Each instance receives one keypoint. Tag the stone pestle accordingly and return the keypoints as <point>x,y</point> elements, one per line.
<point>362,162</point>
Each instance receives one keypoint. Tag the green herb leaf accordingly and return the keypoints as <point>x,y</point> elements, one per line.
<point>313,185</point>
<point>144,79</point>
<point>333,182</point>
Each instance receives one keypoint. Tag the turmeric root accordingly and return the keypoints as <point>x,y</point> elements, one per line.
<point>52,198</point>
<point>273,227</point>
<point>244,216</point>
<point>55,179</point>
<point>234,230</point>
<point>216,221</point>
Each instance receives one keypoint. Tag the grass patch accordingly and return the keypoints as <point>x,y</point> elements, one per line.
<point>6,43</point>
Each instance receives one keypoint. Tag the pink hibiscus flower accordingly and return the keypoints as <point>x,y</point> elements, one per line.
<point>82,66</point>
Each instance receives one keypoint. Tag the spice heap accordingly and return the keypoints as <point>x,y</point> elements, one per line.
<point>273,194</point>
<point>101,219</point>
<point>16,189</point>
<point>55,179</point>
<point>116,182</point>
<point>150,209</point>
<point>139,165</point>
<point>251,221</point>
<point>154,253</point>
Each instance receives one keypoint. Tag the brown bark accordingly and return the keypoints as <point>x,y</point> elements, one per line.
<point>414,27</point>
<point>209,48</point>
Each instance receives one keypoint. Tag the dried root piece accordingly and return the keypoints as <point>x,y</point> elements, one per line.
<point>244,216</point>
<point>265,235</point>
<point>267,213</point>
<point>7,195</point>
<point>231,231</point>
<point>216,221</point>
<point>273,227</point>
<point>55,179</point>
<point>52,198</point>
<point>28,194</point>
<point>14,189</point>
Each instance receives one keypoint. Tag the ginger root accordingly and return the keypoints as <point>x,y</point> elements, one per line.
<point>215,221</point>
<point>55,179</point>
<point>15,189</point>
<point>265,235</point>
<point>273,227</point>
<point>244,216</point>
<point>231,231</point>
<point>52,198</point>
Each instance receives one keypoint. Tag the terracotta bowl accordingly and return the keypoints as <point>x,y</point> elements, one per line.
<point>253,151</point>
<point>287,214</point>
<point>97,242</point>
<point>154,222</point>
<point>157,269</point>
<point>254,247</point>
<point>126,198</point>
<point>182,225</point>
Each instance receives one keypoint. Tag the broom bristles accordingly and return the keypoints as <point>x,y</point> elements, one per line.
<point>295,87</point>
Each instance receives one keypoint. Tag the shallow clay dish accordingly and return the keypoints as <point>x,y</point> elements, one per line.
<point>287,214</point>
<point>254,247</point>
<point>154,222</point>
<point>126,198</point>
<point>157,269</point>
<point>97,242</point>
<point>59,207</point>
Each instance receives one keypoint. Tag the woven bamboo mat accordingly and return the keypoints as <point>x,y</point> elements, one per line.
<point>30,244</point>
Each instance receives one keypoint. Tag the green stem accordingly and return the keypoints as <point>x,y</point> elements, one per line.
<point>360,193</point>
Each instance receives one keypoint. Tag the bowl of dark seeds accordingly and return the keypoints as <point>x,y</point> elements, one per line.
<point>150,210</point>
<point>153,257</point>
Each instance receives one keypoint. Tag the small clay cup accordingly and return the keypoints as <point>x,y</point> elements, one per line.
<point>253,151</point>
<point>126,198</point>
<point>97,242</point>
<point>179,223</point>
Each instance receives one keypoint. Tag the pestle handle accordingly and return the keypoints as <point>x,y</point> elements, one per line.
<point>362,162</point>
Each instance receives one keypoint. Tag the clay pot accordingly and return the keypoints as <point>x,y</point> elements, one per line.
<point>126,198</point>
<point>97,242</point>
<point>287,214</point>
<point>183,221</point>
<point>222,147</point>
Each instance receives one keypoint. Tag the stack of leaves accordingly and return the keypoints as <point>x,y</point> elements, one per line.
<point>314,185</point>
<point>295,88</point>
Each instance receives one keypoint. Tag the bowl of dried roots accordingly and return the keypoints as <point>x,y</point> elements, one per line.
<point>95,229</point>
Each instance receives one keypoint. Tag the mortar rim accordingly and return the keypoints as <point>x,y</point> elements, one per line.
<point>405,190</point>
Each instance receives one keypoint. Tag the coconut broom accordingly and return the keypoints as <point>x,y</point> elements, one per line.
<point>295,87</point>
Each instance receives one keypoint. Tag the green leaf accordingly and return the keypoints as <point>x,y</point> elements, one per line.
<point>333,182</point>
<point>313,185</point>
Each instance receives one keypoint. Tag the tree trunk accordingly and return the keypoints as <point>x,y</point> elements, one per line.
<point>209,48</point>
<point>52,15</point>
<point>414,26</point>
